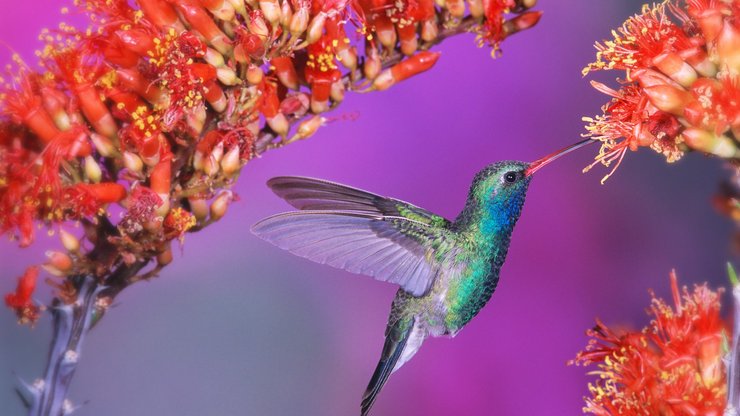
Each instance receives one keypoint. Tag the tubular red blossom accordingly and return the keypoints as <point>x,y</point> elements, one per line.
<point>20,300</point>
<point>269,103</point>
<point>133,80</point>
<point>160,176</point>
<point>86,199</point>
<point>285,71</point>
<point>681,80</point>
<point>493,30</point>
<point>642,38</point>
<point>421,62</point>
<point>139,41</point>
<point>674,366</point>
<point>24,104</point>
<point>160,13</point>
<point>201,21</point>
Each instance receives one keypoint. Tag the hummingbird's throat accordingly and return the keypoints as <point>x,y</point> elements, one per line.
<point>539,163</point>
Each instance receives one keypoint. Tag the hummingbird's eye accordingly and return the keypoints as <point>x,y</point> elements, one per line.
<point>510,177</point>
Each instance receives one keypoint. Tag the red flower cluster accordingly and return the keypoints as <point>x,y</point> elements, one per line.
<point>159,103</point>
<point>672,367</point>
<point>20,300</point>
<point>681,89</point>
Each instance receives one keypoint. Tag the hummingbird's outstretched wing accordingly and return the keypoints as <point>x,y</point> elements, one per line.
<point>363,237</point>
<point>321,195</point>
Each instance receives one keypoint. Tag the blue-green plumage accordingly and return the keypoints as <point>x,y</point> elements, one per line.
<point>447,270</point>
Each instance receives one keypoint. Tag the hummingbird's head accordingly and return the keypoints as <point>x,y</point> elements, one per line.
<point>500,188</point>
<point>495,199</point>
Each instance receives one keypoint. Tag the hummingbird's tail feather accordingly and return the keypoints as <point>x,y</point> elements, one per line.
<point>395,344</point>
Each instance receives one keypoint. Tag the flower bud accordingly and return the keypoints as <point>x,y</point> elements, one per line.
<point>309,127</point>
<point>55,103</point>
<point>227,76</point>
<point>53,270</point>
<point>196,118</point>
<point>254,74</point>
<point>218,152</point>
<point>165,257</point>
<point>710,23</point>
<point>337,91</point>
<point>429,30</point>
<point>92,170</point>
<point>299,22</point>
<point>214,58</point>
<point>239,6</point>
<point>456,8</point>
<point>279,124</point>
<point>704,141</point>
<point>220,205</point>
<point>286,14</point>
<point>285,71</point>
<point>199,208</point>
<point>60,261</point>
<point>69,241</point>
<point>728,47</point>
<point>254,127</point>
<point>211,164</point>
<point>150,151</point>
<point>132,162</point>
<point>271,9</point>
<point>231,163</point>
<point>669,99</point>
<point>348,57</point>
<point>258,26</point>
<point>476,8</point>
<point>672,65</point>
<point>699,60</point>
<point>408,39</point>
<point>316,28</point>
<point>223,10</point>
<point>648,78</point>
<point>103,145</point>
<point>372,65</point>
<point>295,104</point>
<point>163,208</point>
<point>386,32</point>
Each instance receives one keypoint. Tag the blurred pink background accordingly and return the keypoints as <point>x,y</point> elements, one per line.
<point>237,327</point>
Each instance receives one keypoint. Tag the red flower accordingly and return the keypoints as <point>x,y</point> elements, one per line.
<point>20,300</point>
<point>672,367</point>
<point>681,92</point>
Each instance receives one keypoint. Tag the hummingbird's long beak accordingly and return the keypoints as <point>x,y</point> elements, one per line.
<point>539,163</point>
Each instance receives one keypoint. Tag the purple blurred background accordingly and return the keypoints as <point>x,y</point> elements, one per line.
<point>237,327</point>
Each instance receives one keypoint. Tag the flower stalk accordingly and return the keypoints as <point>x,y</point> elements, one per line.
<point>732,360</point>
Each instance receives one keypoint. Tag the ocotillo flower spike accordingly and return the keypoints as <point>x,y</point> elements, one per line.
<point>673,366</point>
<point>160,103</point>
<point>680,90</point>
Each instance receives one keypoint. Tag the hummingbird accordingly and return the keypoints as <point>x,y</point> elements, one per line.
<point>446,270</point>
